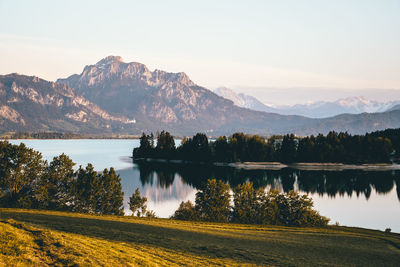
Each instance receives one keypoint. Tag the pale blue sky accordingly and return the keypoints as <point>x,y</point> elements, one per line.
<point>239,44</point>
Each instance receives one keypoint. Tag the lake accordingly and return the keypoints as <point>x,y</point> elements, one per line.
<point>369,199</point>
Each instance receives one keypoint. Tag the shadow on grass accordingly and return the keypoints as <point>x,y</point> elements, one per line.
<point>285,249</point>
<point>203,244</point>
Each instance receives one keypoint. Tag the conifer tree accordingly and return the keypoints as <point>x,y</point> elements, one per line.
<point>138,204</point>
<point>54,190</point>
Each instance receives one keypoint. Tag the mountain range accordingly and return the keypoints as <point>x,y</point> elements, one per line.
<point>320,109</point>
<point>161,100</point>
<point>28,103</point>
<point>112,96</point>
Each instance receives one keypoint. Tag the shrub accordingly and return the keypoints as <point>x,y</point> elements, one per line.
<point>150,214</point>
<point>186,212</point>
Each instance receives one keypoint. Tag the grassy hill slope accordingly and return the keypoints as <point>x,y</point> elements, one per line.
<point>42,237</point>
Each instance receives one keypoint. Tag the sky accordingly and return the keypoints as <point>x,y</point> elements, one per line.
<point>313,49</point>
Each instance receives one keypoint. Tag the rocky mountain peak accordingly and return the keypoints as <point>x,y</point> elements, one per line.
<point>133,74</point>
<point>184,78</point>
<point>110,60</point>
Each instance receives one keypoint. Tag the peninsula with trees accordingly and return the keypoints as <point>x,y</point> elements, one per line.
<point>373,149</point>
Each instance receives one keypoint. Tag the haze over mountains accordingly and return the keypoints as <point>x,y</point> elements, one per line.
<point>319,109</point>
<point>112,96</point>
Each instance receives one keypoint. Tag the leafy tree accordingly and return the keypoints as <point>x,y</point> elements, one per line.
<point>20,167</point>
<point>213,201</point>
<point>54,190</point>
<point>291,209</point>
<point>247,204</point>
<point>137,204</point>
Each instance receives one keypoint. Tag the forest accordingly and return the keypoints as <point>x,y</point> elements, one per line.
<point>377,147</point>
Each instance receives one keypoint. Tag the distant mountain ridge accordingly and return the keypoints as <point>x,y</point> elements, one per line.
<point>320,109</point>
<point>161,100</point>
<point>31,103</point>
<point>243,100</point>
<point>114,97</point>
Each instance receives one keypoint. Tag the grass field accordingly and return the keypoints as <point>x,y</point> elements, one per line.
<point>30,237</point>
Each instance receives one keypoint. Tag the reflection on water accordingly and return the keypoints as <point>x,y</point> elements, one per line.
<point>330,183</point>
<point>368,199</point>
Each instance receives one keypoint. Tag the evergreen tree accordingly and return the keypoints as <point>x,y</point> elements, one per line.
<point>201,151</point>
<point>288,149</point>
<point>165,145</point>
<point>137,204</point>
<point>86,190</point>
<point>237,143</point>
<point>145,150</point>
<point>222,151</point>
<point>54,190</point>
<point>110,195</point>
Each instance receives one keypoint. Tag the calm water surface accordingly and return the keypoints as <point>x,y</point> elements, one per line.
<point>368,199</point>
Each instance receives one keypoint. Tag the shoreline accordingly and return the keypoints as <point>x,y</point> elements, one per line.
<point>278,165</point>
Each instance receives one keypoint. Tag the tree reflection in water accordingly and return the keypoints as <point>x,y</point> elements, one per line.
<point>329,183</point>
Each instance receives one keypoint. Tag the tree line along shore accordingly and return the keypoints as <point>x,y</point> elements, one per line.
<point>381,147</point>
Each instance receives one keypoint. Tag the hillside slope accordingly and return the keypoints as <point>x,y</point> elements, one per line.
<point>55,238</point>
<point>28,103</point>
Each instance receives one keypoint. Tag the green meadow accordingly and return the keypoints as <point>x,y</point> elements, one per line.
<point>34,237</point>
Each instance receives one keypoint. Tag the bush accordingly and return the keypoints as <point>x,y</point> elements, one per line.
<point>186,212</point>
<point>150,214</point>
